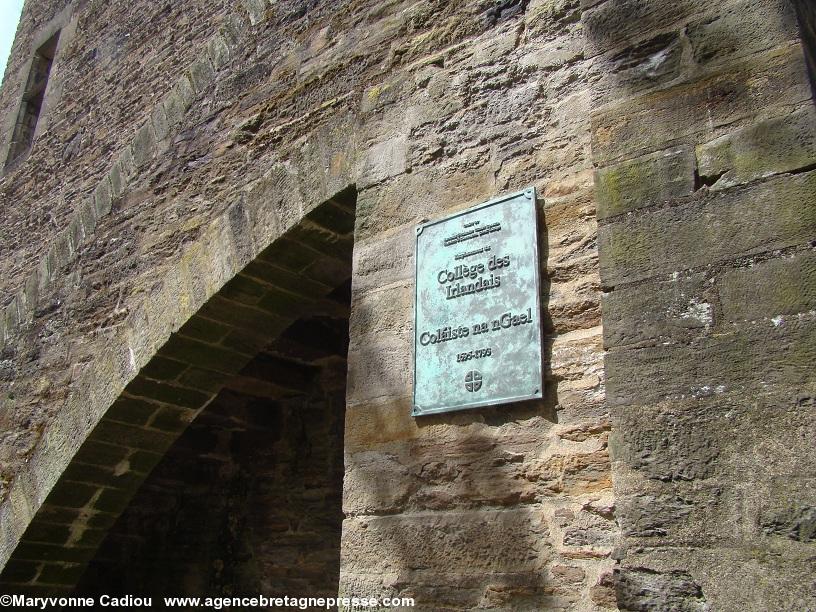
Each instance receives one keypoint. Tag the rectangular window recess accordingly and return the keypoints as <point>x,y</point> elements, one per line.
<point>32,102</point>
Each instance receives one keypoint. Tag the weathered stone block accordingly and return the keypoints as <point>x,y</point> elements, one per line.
<point>586,472</point>
<point>709,366</point>
<point>12,318</point>
<point>282,303</point>
<point>380,369</point>
<point>171,419</point>
<point>650,64</point>
<point>205,330</point>
<point>386,260</point>
<point>64,573</point>
<point>113,501</point>
<point>218,51</point>
<point>161,126</point>
<point>328,271</point>
<point>40,531</point>
<point>163,368</point>
<point>644,589</point>
<point>656,120</point>
<point>407,464</point>
<point>116,179</point>
<point>422,194</point>
<point>242,289</point>
<point>232,313</point>
<point>174,108</point>
<point>371,425</point>
<point>96,452</point>
<point>285,280</point>
<point>382,161</point>
<point>678,309</point>
<point>288,254</point>
<point>615,24</point>
<point>49,552</point>
<point>256,9</point>
<point>165,393</point>
<point>18,572</point>
<point>234,29</point>
<point>71,495</point>
<point>334,216</point>
<point>749,580</point>
<point>88,216</point>
<point>480,542</point>
<point>732,224</point>
<point>680,513</point>
<point>75,234</point>
<point>143,461</point>
<point>769,289</point>
<point>132,437</point>
<point>786,511</point>
<point>202,355</point>
<point>244,342</point>
<point>63,248</point>
<point>185,94</point>
<point>143,145</point>
<point>389,310</point>
<point>126,163</point>
<point>201,74</point>
<point>112,477</point>
<point>323,240</point>
<point>102,197</point>
<point>782,144</point>
<point>736,29</point>
<point>130,410</point>
<point>48,264</point>
<point>645,181</point>
<point>673,441</point>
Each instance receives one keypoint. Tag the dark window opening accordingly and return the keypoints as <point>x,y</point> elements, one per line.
<point>33,97</point>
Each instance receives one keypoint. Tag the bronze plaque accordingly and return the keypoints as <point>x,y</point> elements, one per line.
<point>477,324</point>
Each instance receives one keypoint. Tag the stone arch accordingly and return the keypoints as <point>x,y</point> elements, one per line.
<point>265,291</point>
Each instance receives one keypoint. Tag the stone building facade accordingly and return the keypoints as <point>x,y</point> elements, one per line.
<point>206,301</point>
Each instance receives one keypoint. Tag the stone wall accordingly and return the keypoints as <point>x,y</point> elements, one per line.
<point>427,108</point>
<point>704,135</point>
<point>115,66</point>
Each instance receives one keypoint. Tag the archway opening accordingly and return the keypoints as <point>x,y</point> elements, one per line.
<point>248,499</point>
<point>218,470</point>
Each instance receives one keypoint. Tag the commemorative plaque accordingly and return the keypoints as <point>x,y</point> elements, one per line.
<point>477,325</point>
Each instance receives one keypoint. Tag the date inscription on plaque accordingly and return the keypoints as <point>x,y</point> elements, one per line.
<point>477,326</point>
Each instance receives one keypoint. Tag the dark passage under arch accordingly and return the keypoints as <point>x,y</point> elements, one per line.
<point>248,499</point>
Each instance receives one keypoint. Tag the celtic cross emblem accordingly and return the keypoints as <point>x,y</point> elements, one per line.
<point>473,381</point>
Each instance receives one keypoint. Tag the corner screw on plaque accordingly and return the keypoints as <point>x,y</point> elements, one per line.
<point>473,381</point>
